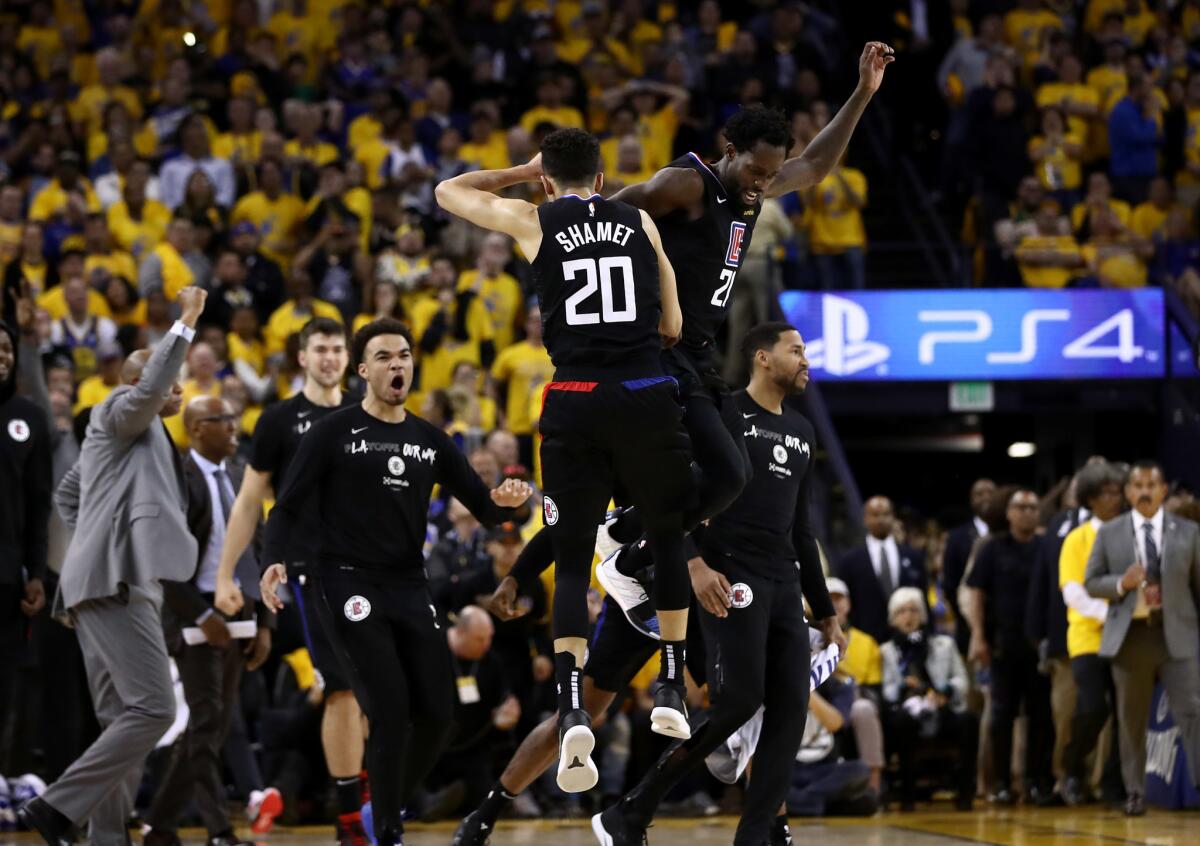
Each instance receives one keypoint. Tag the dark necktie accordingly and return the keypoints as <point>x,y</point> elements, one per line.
<point>1153,564</point>
<point>224,493</point>
<point>885,573</point>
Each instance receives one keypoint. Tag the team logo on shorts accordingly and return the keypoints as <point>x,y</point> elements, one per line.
<point>357,608</point>
<point>396,465</point>
<point>740,595</point>
<point>18,430</point>
<point>780,453</point>
<point>550,511</point>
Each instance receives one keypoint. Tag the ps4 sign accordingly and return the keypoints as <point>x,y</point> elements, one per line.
<point>980,335</point>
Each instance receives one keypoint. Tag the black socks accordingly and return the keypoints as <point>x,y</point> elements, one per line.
<point>497,802</point>
<point>349,795</point>
<point>674,656</point>
<point>570,682</point>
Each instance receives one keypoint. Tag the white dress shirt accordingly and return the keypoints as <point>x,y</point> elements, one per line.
<point>885,552</point>
<point>981,528</point>
<point>174,176</point>
<point>206,578</point>
<point>1141,610</point>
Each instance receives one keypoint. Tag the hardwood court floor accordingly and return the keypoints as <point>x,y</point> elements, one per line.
<point>1059,827</point>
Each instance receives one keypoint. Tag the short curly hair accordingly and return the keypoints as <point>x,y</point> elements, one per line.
<point>571,156</point>
<point>383,326</point>
<point>757,123</point>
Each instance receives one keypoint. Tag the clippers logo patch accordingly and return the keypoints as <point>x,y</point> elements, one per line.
<point>18,430</point>
<point>550,511</point>
<point>737,234</point>
<point>357,608</point>
<point>740,595</point>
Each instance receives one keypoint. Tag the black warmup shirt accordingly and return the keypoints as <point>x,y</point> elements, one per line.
<point>279,432</point>
<point>1003,571</point>
<point>706,254</point>
<point>596,277</point>
<point>25,502</point>
<point>767,528</point>
<point>365,485</point>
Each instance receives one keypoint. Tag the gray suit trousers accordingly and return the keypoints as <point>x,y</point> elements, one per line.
<point>1143,655</point>
<point>130,680</point>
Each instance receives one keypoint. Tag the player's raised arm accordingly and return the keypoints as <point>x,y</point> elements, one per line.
<point>670,325</point>
<point>671,189</point>
<point>472,197</point>
<point>824,151</point>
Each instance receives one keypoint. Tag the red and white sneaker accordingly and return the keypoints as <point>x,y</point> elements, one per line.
<point>263,808</point>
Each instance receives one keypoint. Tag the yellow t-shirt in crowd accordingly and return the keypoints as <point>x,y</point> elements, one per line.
<point>1119,207</point>
<point>252,352</point>
<point>297,35</point>
<point>490,155</point>
<point>276,221</point>
<point>1083,633</point>
<point>55,304</point>
<point>138,237</point>
<point>91,392</point>
<point>835,225</point>
<point>1056,93</point>
<point>52,200</point>
<point>1148,219</point>
<point>1122,270</point>
<point>862,661</point>
<point>526,369</point>
<point>318,154</point>
<point>372,154</point>
<point>501,296</point>
<point>117,263</point>
<point>1109,83</point>
<point>88,107</point>
<point>42,44</point>
<point>10,240</point>
<point>246,147</point>
<point>288,319</point>
<point>1059,170</point>
<point>657,134</point>
<point>1023,30</point>
<point>563,117</point>
<point>1046,277</point>
<point>366,127</point>
<point>437,367</point>
<point>174,423</point>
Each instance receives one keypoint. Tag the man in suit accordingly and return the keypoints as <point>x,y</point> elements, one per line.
<point>126,500</point>
<point>959,544</point>
<point>873,571</point>
<point>211,671</point>
<point>1146,563</point>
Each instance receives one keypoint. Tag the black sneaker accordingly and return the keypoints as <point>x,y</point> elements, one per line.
<point>40,816</point>
<point>472,831</point>
<point>576,771</point>
<point>615,828</point>
<point>781,834</point>
<point>670,716</point>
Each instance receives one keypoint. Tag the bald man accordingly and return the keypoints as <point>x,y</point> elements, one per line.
<point>485,705</point>
<point>126,501</point>
<point>874,570</point>
<point>210,671</point>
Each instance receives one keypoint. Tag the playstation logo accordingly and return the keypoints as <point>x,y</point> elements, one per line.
<point>844,349</point>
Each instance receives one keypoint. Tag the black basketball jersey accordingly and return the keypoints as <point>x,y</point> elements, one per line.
<point>596,276</point>
<point>706,254</point>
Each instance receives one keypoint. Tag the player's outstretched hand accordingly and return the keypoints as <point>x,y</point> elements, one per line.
<point>511,493</point>
<point>875,57</point>
<point>503,602</point>
<point>272,578</point>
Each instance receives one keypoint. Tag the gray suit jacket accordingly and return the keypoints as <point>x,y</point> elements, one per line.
<point>1114,551</point>
<point>124,497</point>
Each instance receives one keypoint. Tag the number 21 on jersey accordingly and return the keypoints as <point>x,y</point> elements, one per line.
<point>733,258</point>
<point>598,276</point>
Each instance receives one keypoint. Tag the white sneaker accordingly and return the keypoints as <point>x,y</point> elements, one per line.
<point>576,770</point>
<point>606,545</point>
<point>630,594</point>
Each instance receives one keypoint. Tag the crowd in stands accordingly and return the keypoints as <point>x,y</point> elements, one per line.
<point>1071,143</point>
<point>283,155</point>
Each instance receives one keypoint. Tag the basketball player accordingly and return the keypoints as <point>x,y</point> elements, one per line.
<point>706,215</point>
<point>752,616</point>
<point>607,294</point>
<point>277,437</point>
<point>363,476</point>
<point>765,554</point>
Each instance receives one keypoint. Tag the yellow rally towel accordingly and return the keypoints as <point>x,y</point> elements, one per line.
<point>301,663</point>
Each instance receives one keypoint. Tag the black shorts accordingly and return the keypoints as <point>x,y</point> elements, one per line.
<point>598,436</point>
<point>618,651</point>
<point>320,649</point>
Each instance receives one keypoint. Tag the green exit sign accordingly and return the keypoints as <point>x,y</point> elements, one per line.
<point>972,396</point>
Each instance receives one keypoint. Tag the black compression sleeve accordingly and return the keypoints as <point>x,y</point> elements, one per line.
<point>804,541</point>
<point>299,492</point>
<point>535,559</point>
